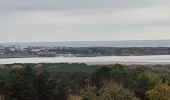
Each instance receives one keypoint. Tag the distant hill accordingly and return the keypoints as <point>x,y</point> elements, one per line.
<point>131,43</point>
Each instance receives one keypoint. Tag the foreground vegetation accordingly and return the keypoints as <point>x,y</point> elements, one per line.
<point>84,82</point>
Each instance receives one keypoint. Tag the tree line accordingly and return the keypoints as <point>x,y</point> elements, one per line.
<point>83,82</point>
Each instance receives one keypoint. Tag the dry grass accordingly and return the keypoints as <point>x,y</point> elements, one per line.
<point>75,97</point>
<point>17,66</point>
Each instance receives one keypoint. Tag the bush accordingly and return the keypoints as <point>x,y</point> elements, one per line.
<point>159,92</point>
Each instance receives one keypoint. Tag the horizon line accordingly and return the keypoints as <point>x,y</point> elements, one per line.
<point>85,41</point>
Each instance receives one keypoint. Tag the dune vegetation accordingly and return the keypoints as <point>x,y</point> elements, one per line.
<point>84,82</point>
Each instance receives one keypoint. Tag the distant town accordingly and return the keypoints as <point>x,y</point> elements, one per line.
<point>11,51</point>
<point>16,51</point>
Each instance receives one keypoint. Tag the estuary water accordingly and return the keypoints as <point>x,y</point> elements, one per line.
<point>151,59</point>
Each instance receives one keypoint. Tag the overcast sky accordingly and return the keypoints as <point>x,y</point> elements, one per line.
<point>83,20</point>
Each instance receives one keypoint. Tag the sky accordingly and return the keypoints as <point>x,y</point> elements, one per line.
<point>83,20</point>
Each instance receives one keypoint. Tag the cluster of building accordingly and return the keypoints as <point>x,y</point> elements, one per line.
<point>9,49</point>
<point>32,51</point>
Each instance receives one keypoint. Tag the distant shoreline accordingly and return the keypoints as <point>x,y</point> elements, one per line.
<point>127,63</point>
<point>102,60</point>
<point>36,56</point>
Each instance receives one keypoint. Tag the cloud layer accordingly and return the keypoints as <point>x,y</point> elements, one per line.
<point>83,20</point>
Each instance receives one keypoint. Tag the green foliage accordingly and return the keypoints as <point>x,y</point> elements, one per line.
<point>116,91</point>
<point>91,82</point>
<point>27,82</point>
<point>101,75</point>
<point>146,80</point>
<point>159,92</point>
<point>110,91</point>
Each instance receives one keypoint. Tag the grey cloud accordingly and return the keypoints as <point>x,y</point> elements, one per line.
<point>76,4</point>
<point>61,20</point>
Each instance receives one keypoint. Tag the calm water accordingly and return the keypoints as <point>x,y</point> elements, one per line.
<point>114,59</point>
